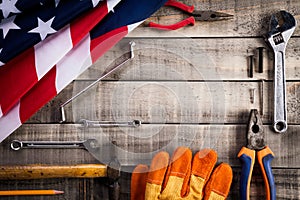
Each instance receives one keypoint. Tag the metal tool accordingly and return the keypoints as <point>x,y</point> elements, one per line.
<point>96,124</point>
<point>105,74</point>
<point>252,95</point>
<point>250,72</point>
<point>260,59</point>
<point>256,145</point>
<point>86,144</point>
<point>262,96</point>
<point>113,175</point>
<point>198,15</point>
<point>277,39</point>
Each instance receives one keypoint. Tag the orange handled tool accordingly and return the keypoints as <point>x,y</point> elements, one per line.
<point>256,145</point>
<point>38,171</point>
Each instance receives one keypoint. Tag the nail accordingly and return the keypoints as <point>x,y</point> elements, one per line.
<point>252,95</point>
<point>262,96</point>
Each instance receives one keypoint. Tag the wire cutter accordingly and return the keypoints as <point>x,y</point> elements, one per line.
<point>198,15</point>
<point>256,145</point>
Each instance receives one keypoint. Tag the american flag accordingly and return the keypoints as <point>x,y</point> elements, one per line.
<point>58,41</point>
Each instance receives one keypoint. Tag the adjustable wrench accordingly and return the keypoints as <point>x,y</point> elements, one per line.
<point>277,38</point>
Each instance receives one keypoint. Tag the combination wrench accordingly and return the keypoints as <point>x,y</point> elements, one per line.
<point>85,144</point>
<point>96,124</point>
<point>277,38</point>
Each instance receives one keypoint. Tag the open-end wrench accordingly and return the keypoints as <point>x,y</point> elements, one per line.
<point>277,38</point>
<point>85,144</point>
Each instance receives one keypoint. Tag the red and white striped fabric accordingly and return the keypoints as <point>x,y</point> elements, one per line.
<point>79,59</point>
<point>19,75</point>
<point>40,73</point>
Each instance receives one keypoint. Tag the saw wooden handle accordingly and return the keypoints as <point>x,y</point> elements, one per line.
<point>52,171</point>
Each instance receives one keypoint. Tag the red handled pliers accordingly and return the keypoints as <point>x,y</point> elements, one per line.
<point>198,15</point>
<point>256,148</point>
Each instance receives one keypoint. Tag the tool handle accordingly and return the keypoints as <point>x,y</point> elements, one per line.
<point>280,107</point>
<point>114,191</point>
<point>247,157</point>
<point>265,157</point>
<point>185,22</point>
<point>29,192</point>
<point>52,171</point>
<point>180,5</point>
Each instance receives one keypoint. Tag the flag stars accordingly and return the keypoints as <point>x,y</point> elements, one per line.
<point>95,2</point>
<point>8,6</point>
<point>56,2</point>
<point>43,28</point>
<point>7,24</point>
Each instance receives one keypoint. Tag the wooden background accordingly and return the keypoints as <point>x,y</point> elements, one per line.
<point>189,87</point>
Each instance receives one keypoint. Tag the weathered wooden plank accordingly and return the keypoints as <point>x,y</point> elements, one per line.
<point>251,18</point>
<point>136,145</point>
<point>286,180</point>
<point>170,102</point>
<point>53,156</point>
<point>75,189</point>
<point>194,59</point>
<point>173,92</point>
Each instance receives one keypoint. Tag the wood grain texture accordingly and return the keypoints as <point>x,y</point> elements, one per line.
<point>170,102</point>
<point>251,18</point>
<point>136,145</point>
<point>226,140</point>
<point>286,180</point>
<point>189,87</point>
<point>75,189</point>
<point>193,59</point>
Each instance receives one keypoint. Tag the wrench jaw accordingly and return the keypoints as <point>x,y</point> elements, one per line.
<point>280,33</point>
<point>274,24</point>
<point>289,21</point>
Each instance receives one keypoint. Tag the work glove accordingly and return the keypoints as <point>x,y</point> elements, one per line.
<point>181,177</point>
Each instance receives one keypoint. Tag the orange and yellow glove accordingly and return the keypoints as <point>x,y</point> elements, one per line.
<point>181,177</point>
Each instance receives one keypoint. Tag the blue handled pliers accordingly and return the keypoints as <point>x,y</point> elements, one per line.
<point>256,146</point>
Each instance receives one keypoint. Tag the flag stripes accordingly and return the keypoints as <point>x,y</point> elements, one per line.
<point>38,60</point>
<point>78,59</point>
<point>41,72</point>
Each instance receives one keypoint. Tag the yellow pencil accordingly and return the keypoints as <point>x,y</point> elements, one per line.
<point>29,192</point>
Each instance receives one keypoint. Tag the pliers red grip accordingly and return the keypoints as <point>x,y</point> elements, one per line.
<point>195,15</point>
<point>181,6</point>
